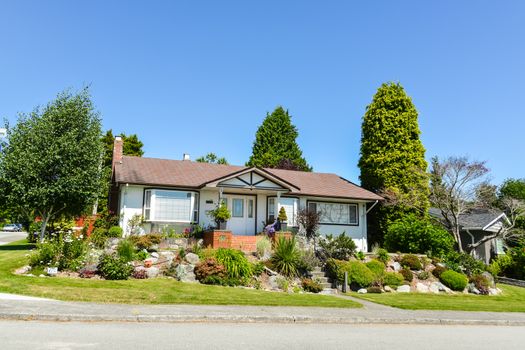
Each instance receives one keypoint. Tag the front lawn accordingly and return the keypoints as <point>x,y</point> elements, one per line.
<point>511,300</point>
<point>149,291</point>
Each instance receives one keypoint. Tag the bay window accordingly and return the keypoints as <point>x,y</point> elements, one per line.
<point>335,213</point>
<point>171,206</point>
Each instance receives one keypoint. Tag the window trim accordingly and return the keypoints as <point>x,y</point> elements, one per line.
<point>194,206</point>
<point>356,205</point>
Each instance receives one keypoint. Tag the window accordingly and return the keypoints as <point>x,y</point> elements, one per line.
<point>290,205</point>
<point>171,206</point>
<point>336,213</point>
<point>250,208</point>
<point>271,209</point>
<point>237,208</point>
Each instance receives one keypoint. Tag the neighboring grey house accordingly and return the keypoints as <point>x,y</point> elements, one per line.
<point>177,193</point>
<point>475,225</point>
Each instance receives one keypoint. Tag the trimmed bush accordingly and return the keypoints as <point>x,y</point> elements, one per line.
<point>454,280</point>
<point>393,279</point>
<point>358,274</point>
<point>407,274</point>
<point>382,255</point>
<point>411,261</point>
<point>438,270</point>
<point>115,232</point>
<point>411,234</point>
<point>286,257</point>
<point>311,286</point>
<point>377,267</point>
<point>112,267</point>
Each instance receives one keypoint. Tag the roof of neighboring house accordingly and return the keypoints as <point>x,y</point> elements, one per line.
<point>480,219</point>
<point>189,174</point>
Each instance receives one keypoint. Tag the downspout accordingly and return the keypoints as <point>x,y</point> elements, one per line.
<point>372,207</point>
<point>364,226</point>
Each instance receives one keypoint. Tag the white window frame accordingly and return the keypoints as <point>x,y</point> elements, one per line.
<point>292,221</point>
<point>349,223</point>
<point>150,210</point>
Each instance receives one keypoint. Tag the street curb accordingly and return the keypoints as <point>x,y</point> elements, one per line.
<point>254,319</point>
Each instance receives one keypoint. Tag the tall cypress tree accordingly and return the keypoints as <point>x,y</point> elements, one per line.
<point>275,144</point>
<point>393,157</point>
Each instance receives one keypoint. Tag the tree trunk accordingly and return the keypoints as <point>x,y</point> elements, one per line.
<point>458,238</point>
<point>45,220</point>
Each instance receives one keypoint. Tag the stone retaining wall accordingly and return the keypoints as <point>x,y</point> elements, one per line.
<point>511,281</point>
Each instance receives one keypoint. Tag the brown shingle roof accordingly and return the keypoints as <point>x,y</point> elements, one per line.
<point>178,173</point>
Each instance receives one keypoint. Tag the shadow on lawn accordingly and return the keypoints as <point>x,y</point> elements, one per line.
<point>16,247</point>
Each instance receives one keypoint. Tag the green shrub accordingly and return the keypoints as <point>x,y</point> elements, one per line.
<point>98,237</point>
<point>263,246</point>
<point>438,270</point>
<point>115,232</point>
<point>454,280</point>
<point>235,263</point>
<point>358,273</point>
<point>46,254</point>
<point>286,257</point>
<point>374,290</point>
<point>377,267</point>
<point>146,241</point>
<point>411,261</point>
<point>382,255</point>
<point>112,267</point>
<point>126,250</point>
<point>423,275</point>
<point>311,286</point>
<point>66,253</point>
<point>407,274</point>
<point>360,255</point>
<point>393,279</point>
<point>340,247</point>
<point>464,263</point>
<point>258,268</point>
<point>411,234</point>
<point>500,265</point>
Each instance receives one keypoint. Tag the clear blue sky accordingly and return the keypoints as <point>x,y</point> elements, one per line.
<point>199,76</point>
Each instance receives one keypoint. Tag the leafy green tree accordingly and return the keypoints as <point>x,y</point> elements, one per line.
<point>275,143</point>
<point>212,158</point>
<point>392,159</point>
<point>52,163</point>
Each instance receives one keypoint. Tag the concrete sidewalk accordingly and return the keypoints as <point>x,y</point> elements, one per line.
<point>51,310</point>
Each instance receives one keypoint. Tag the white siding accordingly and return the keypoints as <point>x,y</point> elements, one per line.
<point>204,219</point>
<point>130,204</point>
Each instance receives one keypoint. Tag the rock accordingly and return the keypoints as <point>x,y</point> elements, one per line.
<point>403,289</point>
<point>272,282</point>
<point>41,275</point>
<point>23,270</point>
<point>422,288</point>
<point>396,266</point>
<point>174,246</point>
<point>192,258</point>
<point>490,278</point>
<point>188,275</point>
<point>494,291</point>
<point>153,248</point>
<point>152,272</point>
<point>435,287</point>
<point>169,256</point>
<point>362,291</point>
<point>472,289</point>
<point>389,289</point>
<point>155,255</point>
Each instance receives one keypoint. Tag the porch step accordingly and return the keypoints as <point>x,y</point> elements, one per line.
<point>320,276</point>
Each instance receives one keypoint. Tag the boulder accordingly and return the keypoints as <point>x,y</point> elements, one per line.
<point>472,289</point>
<point>362,291</point>
<point>23,270</point>
<point>169,256</point>
<point>396,266</point>
<point>152,272</point>
<point>490,278</point>
<point>155,255</point>
<point>389,289</point>
<point>494,291</point>
<point>403,289</point>
<point>192,258</point>
<point>435,287</point>
<point>184,273</point>
<point>272,282</point>
<point>422,288</point>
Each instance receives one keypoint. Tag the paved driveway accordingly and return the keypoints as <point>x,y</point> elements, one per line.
<point>8,237</point>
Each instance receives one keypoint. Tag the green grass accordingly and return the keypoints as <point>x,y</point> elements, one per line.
<point>511,300</point>
<point>152,291</point>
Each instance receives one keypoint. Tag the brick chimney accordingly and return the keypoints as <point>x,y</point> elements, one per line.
<point>117,150</point>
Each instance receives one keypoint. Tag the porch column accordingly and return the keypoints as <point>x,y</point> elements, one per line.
<point>276,209</point>
<point>220,195</point>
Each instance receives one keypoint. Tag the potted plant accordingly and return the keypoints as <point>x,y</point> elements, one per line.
<point>283,219</point>
<point>220,215</point>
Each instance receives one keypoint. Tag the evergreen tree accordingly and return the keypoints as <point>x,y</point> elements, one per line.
<point>212,158</point>
<point>275,143</point>
<point>393,158</point>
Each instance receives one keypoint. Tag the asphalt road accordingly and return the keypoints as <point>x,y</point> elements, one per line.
<point>8,237</point>
<point>70,335</point>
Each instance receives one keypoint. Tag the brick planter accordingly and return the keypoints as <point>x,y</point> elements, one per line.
<point>225,239</point>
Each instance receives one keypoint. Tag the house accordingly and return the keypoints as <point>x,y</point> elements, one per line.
<point>477,224</point>
<point>176,193</point>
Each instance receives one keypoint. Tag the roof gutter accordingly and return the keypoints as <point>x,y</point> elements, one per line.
<point>372,207</point>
